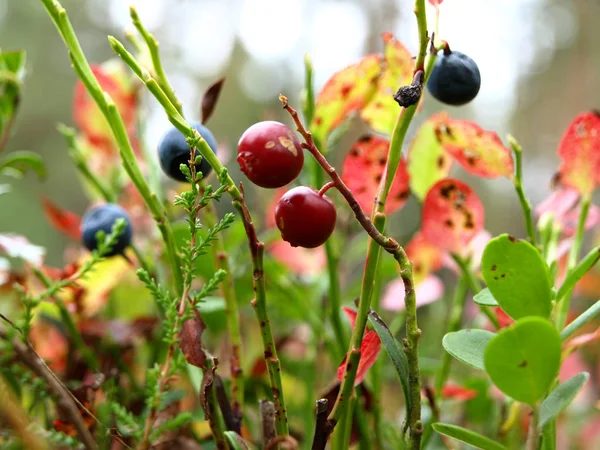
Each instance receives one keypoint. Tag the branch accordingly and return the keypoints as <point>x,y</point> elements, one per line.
<point>321,432</point>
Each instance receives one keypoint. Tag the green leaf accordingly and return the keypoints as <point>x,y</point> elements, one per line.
<point>467,436</point>
<point>523,359</point>
<point>11,76</point>
<point>584,318</point>
<point>22,161</point>
<point>468,346</point>
<point>560,398</point>
<point>236,441</point>
<point>396,354</point>
<point>517,277</point>
<point>485,298</point>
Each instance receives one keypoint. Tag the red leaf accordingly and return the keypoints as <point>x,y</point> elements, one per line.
<point>503,319</point>
<point>579,150</point>
<point>425,256</point>
<point>452,215</point>
<point>362,171</point>
<point>480,152</point>
<point>456,392</point>
<point>427,291</point>
<point>63,220</point>
<point>428,162</point>
<point>210,98</point>
<point>381,112</point>
<point>190,340</point>
<point>436,2</point>
<point>564,204</point>
<point>347,91</point>
<point>369,350</point>
<point>116,81</point>
<point>351,315</point>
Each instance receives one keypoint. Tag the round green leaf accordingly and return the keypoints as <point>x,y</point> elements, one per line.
<point>469,437</point>
<point>523,359</point>
<point>517,277</point>
<point>560,398</point>
<point>485,298</point>
<point>468,346</point>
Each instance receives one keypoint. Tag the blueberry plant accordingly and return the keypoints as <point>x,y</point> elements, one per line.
<point>142,340</point>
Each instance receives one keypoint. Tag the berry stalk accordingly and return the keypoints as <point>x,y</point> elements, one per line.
<point>518,183</point>
<point>112,116</point>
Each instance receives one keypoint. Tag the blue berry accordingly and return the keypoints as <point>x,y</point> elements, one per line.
<point>455,78</point>
<point>173,151</point>
<point>103,217</point>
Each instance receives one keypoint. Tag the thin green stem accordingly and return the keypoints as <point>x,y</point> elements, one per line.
<point>458,304</point>
<point>518,183</point>
<point>589,314</point>
<point>109,110</point>
<point>475,287</point>
<point>577,273</point>
<point>152,44</point>
<point>334,303</point>
<point>565,302</point>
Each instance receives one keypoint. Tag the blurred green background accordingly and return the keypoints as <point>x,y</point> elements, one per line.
<point>539,60</point>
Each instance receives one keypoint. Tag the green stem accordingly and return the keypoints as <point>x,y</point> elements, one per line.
<point>578,272</point>
<point>475,287</point>
<point>518,183</point>
<point>216,421</point>
<point>152,44</point>
<point>109,110</point>
<point>532,439</point>
<point>458,304</point>
<point>565,302</point>
<point>584,318</point>
<point>334,301</point>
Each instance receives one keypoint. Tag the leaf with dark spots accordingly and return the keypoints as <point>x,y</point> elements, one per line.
<point>190,340</point>
<point>210,98</point>
<point>61,219</point>
<point>427,162</point>
<point>346,92</point>
<point>452,215</point>
<point>425,256</point>
<point>579,150</point>
<point>480,152</point>
<point>363,168</point>
<point>381,113</point>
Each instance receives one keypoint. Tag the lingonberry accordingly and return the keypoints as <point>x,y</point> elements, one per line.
<point>304,217</point>
<point>103,217</point>
<point>270,155</point>
<point>455,78</point>
<point>173,151</point>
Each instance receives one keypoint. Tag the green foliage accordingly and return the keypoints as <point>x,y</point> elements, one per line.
<point>12,71</point>
<point>17,163</point>
<point>468,346</point>
<point>560,398</point>
<point>485,298</point>
<point>467,436</point>
<point>523,360</point>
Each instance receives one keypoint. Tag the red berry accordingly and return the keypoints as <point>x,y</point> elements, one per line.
<point>305,218</point>
<point>270,155</point>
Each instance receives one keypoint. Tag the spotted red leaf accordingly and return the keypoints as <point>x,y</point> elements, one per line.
<point>428,162</point>
<point>347,91</point>
<point>579,150</point>
<point>117,82</point>
<point>369,350</point>
<point>456,392</point>
<point>425,256</point>
<point>362,171</point>
<point>381,112</point>
<point>63,220</point>
<point>480,152</point>
<point>452,215</point>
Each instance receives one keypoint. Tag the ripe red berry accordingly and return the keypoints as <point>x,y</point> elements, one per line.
<point>305,218</point>
<point>270,155</point>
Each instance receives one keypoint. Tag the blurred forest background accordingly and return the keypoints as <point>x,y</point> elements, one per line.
<point>539,60</point>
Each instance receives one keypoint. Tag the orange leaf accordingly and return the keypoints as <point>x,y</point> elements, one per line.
<point>452,215</point>
<point>116,81</point>
<point>480,152</point>
<point>456,392</point>
<point>362,171</point>
<point>382,111</point>
<point>425,256</point>
<point>350,314</point>
<point>347,91</point>
<point>63,220</point>
<point>369,351</point>
<point>579,150</point>
<point>427,161</point>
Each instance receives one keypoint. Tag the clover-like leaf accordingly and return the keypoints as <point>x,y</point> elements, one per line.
<point>517,277</point>
<point>427,162</point>
<point>452,215</point>
<point>523,359</point>
<point>381,112</point>
<point>579,150</point>
<point>362,171</point>
<point>347,91</point>
<point>480,152</point>
<point>468,346</point>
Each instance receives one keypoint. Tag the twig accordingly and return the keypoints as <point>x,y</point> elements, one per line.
<point>28,356</point>
<point>321,432</point>
<point>267,420</point>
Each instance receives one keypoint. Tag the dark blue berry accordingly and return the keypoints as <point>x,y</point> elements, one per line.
<point>103,217</point>
<point>173,151</point>
<point>455,78</point>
